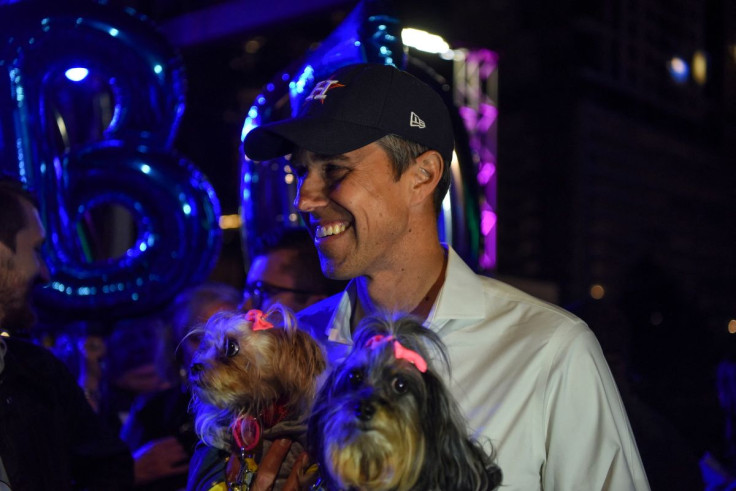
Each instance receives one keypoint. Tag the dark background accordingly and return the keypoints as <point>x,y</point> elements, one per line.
<point>609,171</point>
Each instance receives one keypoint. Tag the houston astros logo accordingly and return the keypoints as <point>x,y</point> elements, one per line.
<point>319,92</point>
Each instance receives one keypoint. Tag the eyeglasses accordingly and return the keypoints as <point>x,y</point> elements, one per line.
<point>261,290</point>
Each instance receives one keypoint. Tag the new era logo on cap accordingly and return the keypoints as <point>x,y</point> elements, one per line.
<point>415,121</point>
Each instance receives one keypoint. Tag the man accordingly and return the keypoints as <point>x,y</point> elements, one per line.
<point>286,270</point>
<point>371,147</point>
<point>49,436</point>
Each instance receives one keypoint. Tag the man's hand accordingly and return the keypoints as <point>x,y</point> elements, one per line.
<point>160,458</point>
<point>268,469</point>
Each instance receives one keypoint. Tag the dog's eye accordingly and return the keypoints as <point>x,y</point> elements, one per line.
<point>400,384</point>
<point>231,348</point>
<point>355,377</point>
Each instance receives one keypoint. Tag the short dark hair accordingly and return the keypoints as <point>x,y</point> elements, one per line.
<point>12,217</point>
<point>402,152</point>
<point>307,271</point>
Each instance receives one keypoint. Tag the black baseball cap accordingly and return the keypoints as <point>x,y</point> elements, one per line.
<point>355,106</point>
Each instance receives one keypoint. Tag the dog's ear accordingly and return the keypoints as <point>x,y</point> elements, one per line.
<point>453,460</point>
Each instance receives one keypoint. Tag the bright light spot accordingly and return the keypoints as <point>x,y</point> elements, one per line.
<point>293,217</point>
<point>424,41</point>
<point>357,44</point>
<point>134,297</point>
<point>485,173</point>
<point>145,168</point>
<point>187,208</point>
<point>230,221</point>
<point>700,68</point>
<point>597,291</point>
<point>158,68</point>
<point>732,326</point>
<point>289,178</point>
<point>113,32</point>
<point>76,74</point>
<point>487,221</point>
<point>679,70</point>
<point>143,246</point>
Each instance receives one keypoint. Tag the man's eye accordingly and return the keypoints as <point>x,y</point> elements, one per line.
<point>334,171</point>
<point>231,348</point>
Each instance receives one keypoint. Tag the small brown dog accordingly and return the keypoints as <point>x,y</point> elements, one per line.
<point>253,380</point>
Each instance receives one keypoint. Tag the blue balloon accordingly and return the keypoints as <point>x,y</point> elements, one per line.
<point>91,100</point>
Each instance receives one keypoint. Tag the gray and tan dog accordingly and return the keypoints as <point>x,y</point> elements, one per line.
<point>384,420</point>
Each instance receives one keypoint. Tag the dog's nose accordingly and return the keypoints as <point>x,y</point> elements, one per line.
<point>195,368</point>
<point>364,410</point>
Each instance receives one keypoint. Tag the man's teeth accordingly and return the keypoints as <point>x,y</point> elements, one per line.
<point>330,230</point>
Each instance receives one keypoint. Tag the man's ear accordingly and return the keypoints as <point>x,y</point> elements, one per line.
<point>426,173</point>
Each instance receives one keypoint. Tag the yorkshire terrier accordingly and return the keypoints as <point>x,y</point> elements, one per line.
<point>254,380</point>
<point>384,420</point>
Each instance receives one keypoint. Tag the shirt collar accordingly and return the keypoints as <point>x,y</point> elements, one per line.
<point>461,297</point>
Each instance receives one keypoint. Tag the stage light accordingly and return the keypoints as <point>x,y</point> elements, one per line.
<point>230,222</point>
<point>679,69</point>
<point>597,291</point>
<point>76,74</point>
<point>424,41</point>
<point>700,67</point>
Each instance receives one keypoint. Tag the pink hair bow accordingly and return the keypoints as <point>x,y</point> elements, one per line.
<point>400,352</point>
<point>258,319</point>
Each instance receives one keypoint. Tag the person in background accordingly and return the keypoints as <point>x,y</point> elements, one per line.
<point>285,269</point>
<point>159,429</point>
<point>50,438</point>
<point>371,148</point>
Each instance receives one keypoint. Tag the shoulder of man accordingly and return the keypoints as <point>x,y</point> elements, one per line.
<point>314,319</point>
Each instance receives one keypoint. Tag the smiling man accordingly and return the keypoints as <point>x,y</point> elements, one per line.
<point>371,147</point>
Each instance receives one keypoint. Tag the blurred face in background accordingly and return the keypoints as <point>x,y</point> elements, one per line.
<point>20,270</point>
<point>271,279</point>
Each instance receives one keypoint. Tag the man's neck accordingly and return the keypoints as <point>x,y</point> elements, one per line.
<point>414,289</point>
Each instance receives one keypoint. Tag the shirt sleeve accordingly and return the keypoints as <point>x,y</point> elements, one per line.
<point>589,442</point>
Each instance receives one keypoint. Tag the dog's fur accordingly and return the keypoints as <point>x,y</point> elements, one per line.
<point>238,371</point>
<point>378,423</point>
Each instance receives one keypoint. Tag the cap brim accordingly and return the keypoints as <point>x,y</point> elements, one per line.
<point>323,136</point>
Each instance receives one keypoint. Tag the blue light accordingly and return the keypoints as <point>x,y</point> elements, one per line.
<point>261,100</point>
<point>142,246</point>
<point>145,168</point>
<point>187,209</point>
<point>357,43</point>
<point>113,32</point>
<point>270,87</point>
<point>76,74</point>
<point>158,69</point>
<point>679,69</point>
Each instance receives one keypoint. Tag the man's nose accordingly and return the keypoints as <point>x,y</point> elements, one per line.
<point>310,193</point>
